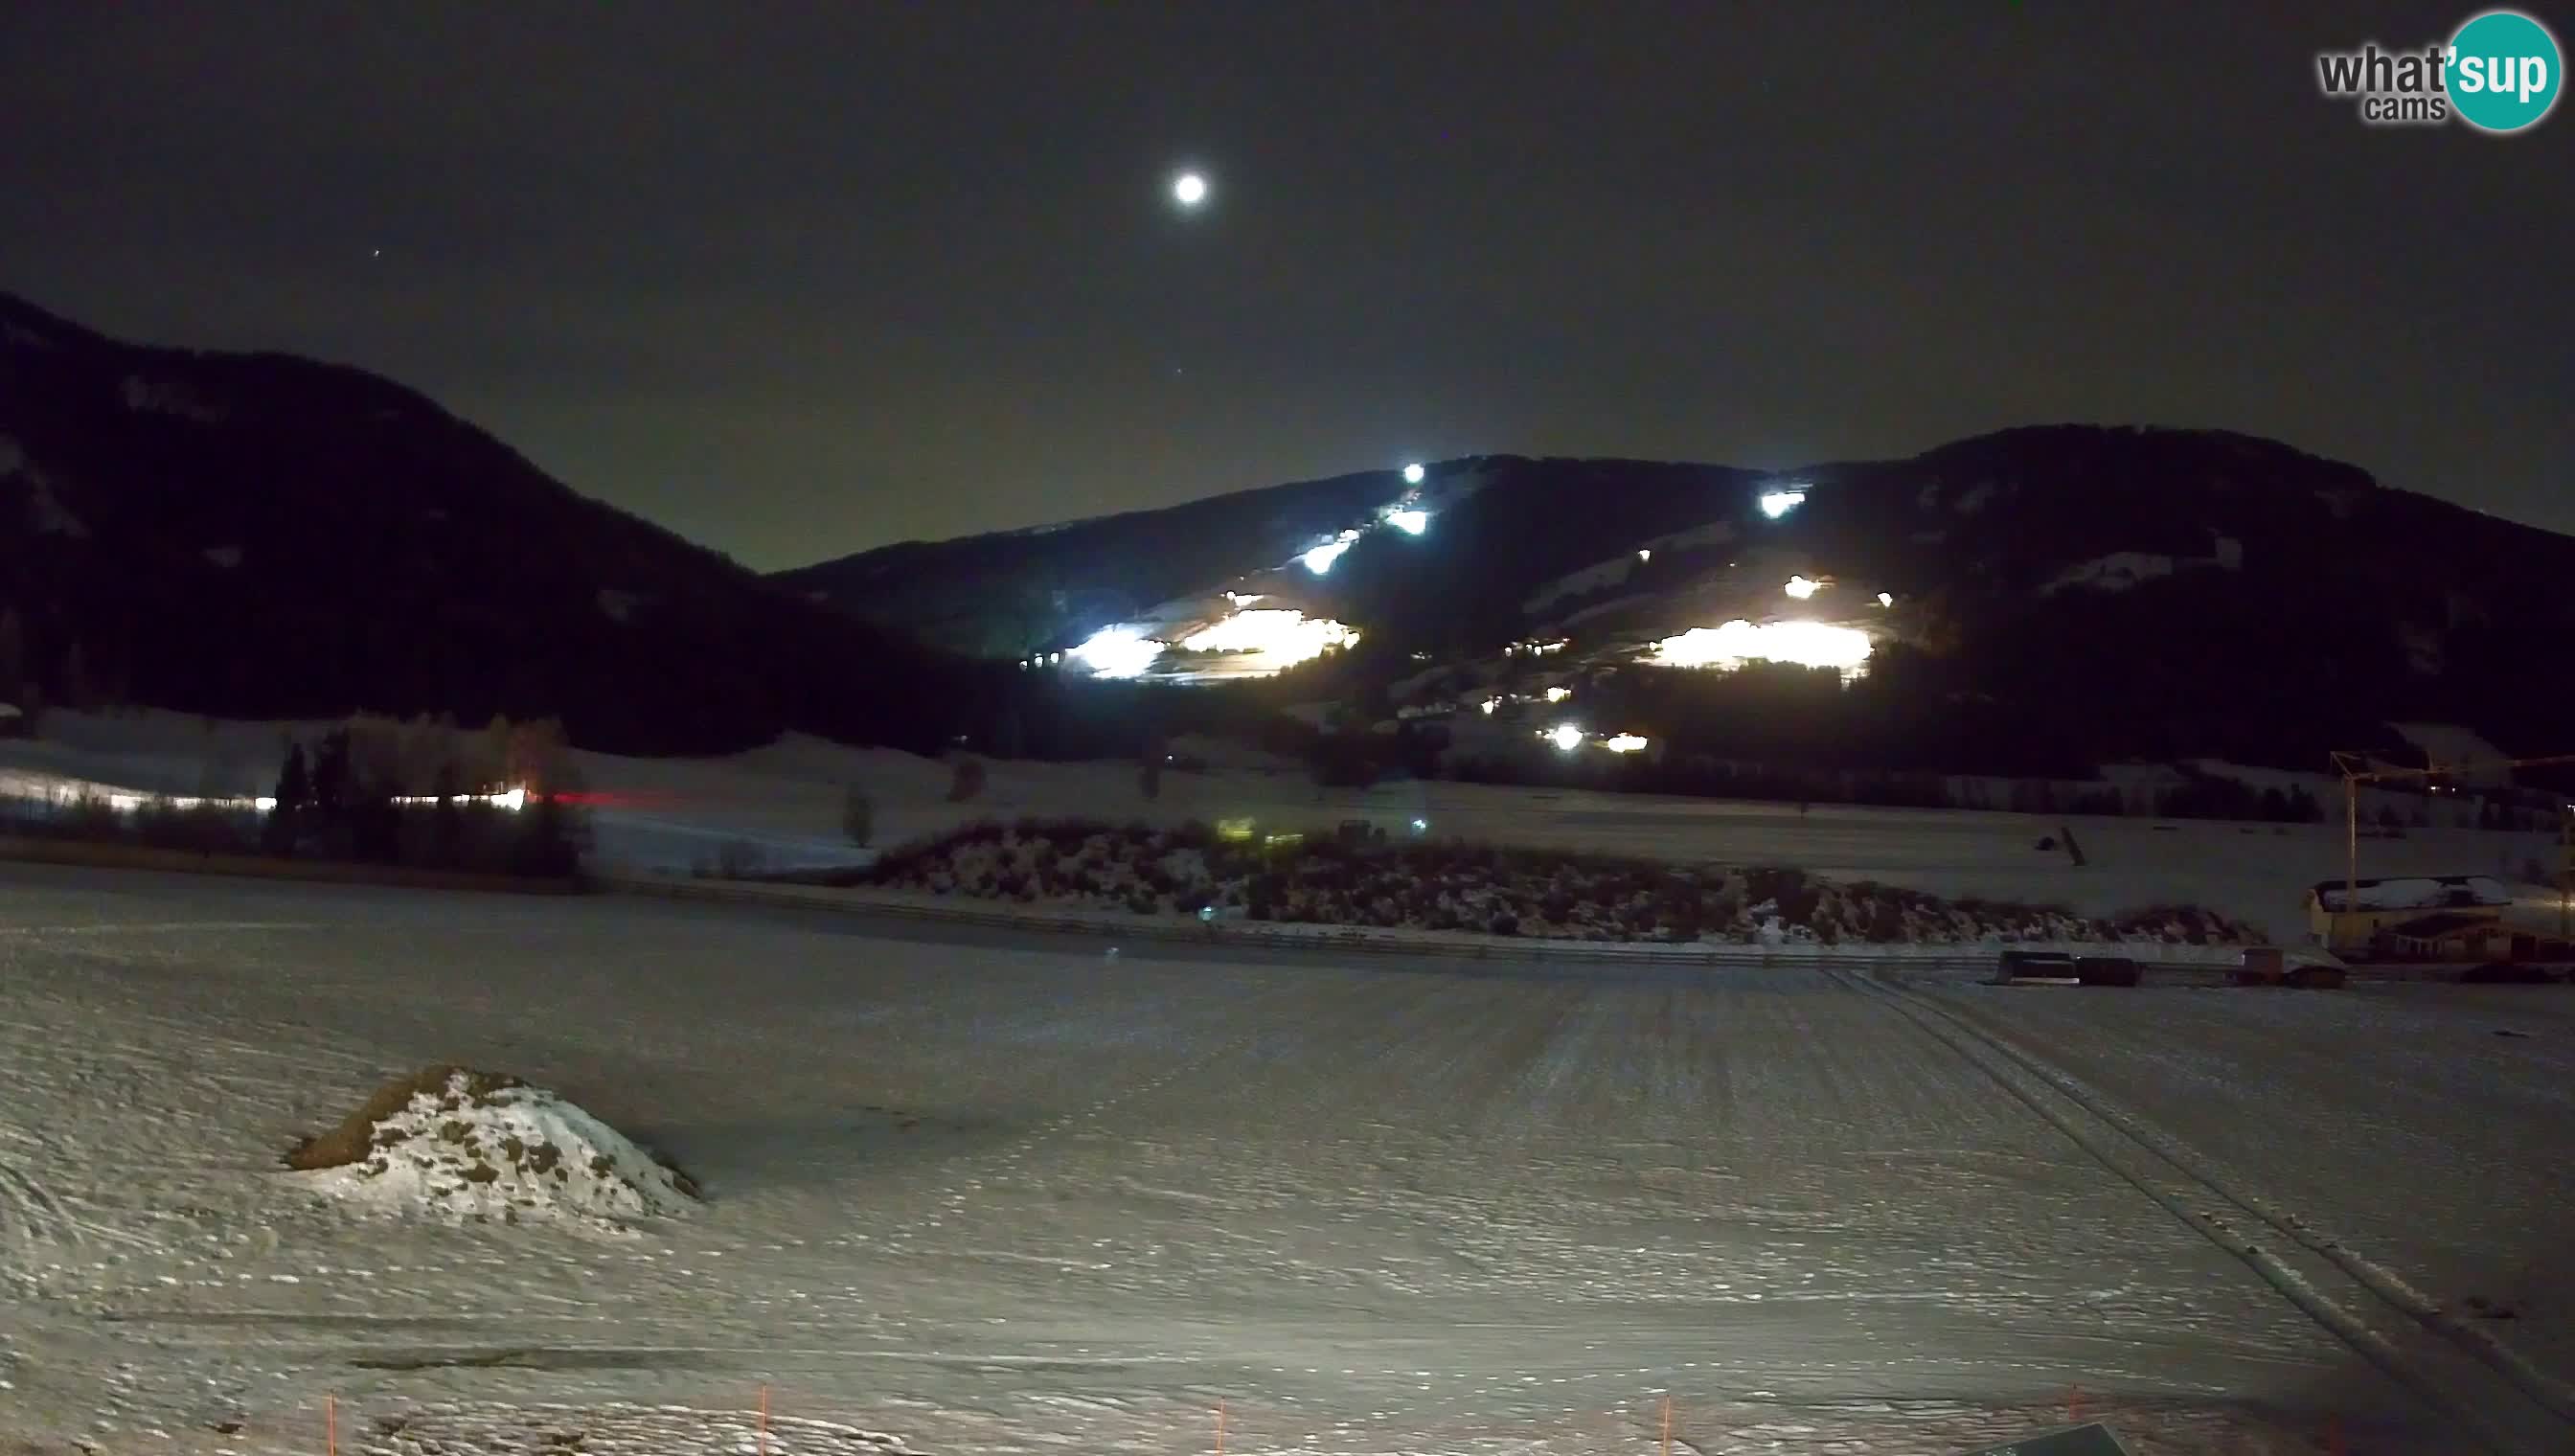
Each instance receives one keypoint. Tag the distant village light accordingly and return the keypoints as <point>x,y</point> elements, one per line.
<point>1776,504</point>
<point>1413,472</point>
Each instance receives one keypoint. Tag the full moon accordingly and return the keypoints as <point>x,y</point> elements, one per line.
<point>1188,189</point>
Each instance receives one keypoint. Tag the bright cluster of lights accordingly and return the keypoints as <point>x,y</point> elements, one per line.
<point>1559,694</point>
<point>126,804</point>
<point>1278,637</point>
<point>123,803</point>
<point>1779,502</point>
<point>1808,644</point>
<point>509,798</point>
<point>1284,635</point>
<point>1802,589</point>
<point>1569,736</point>
<point>1410,520</point>
<point>1118,652</point>
<point>1321,558</point>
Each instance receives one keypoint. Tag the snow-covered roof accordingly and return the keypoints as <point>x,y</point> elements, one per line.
<point>2416,893</point>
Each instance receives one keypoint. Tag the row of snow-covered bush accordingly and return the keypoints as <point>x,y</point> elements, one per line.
<point>1362,879</point>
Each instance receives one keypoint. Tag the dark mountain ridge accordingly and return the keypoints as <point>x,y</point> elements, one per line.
<point>258,534</point>
<point>2058,592</point>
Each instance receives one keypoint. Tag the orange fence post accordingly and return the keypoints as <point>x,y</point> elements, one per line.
<point>2074,1403</point>
<point>764,1420</point>
<point>331,1424</point>
<point>1668,1426</point>
<point>1219,1426</point>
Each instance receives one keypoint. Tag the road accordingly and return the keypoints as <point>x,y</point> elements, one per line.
<point>997,1194</point>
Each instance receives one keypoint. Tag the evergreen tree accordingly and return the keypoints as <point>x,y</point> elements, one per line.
<point>294,791</point>
<point>76,684</point>
<point>332,791</point>
<point>13,656</point>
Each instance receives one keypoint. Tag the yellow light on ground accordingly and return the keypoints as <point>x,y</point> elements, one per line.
<point>1566,737</point>
<point>1623,744</point>
<point>1559,694</point>
<point>1802,589</point>
<point>1885,598</point>
<point>1776,504</point>
<point>1411,522</point>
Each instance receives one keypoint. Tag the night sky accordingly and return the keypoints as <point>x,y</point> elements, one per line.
<point>799,279</point>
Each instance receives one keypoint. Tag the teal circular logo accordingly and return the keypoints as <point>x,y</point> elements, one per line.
<point>2503,72</point>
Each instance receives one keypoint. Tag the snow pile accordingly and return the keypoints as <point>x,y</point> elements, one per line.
<point>474,1148</point>
<point>1363,879</point>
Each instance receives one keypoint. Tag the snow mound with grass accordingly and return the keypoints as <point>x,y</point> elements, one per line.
<point>468,1147</point>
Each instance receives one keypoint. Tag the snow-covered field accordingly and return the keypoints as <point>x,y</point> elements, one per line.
<point>971,1193</point>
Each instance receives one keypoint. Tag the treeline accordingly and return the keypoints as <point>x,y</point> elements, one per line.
<point>422,795</point>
